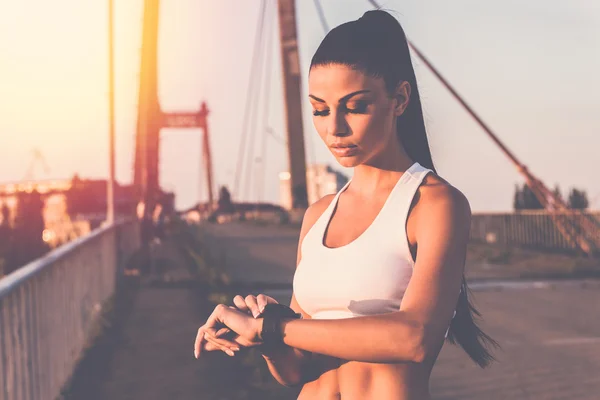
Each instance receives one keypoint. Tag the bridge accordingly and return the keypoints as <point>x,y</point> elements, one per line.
<point>112,314</point>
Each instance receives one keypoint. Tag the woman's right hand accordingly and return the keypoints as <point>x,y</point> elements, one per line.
<point>253,304</point>
<point>250,304</point>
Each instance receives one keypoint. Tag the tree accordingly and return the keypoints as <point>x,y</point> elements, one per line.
<point>578,199</point>
<point>518,199</point>
<point>525,199</point>
<point>557,192</point>
<point>5,236</point>
<point>27,242</point>
<point>80,198</point>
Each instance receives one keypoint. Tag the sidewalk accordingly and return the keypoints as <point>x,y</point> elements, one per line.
<point>258,254</point>
<point>485,262</point>
<point>148,352</point>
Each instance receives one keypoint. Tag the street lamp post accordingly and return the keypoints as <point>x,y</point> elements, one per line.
<point>110,188</point>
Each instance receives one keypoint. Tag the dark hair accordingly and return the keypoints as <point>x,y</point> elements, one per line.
<point>376,44</point>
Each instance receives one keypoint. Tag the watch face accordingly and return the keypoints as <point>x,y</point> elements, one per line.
<point>279,310</point>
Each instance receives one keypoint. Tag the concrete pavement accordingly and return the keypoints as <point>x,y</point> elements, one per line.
<point>549,330</point>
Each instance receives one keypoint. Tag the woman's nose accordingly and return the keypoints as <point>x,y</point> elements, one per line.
<point>337,125</point>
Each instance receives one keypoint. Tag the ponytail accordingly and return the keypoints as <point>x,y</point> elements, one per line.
<point>463,331</point>
<point>376,44</point>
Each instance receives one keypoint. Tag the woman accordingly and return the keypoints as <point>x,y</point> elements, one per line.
<point>380,275</point>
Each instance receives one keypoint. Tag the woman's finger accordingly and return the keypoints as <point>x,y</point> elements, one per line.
<point>262,300</point>
<point>239,322</point>
<point>252,305</point>
<point>222,342</point>
<point>212,333</point>
<point>226,333</point>
<point>222,331</point>
<point>209,346</point>
<point>198,342</point>
<point>203,344</point>
<point>225,345</point>
<point>212,322</point>
<point>240,303</point>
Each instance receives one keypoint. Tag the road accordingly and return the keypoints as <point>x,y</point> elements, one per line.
<point>549,331</point>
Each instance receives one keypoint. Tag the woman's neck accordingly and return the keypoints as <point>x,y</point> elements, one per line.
<point>373,178</point>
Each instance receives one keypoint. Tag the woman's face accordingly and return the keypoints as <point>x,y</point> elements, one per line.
<point>354,113</point>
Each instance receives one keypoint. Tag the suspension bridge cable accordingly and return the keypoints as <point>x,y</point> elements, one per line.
<point>544,195</point>
<point>279,139</point>
<point>462,102</point>
<point>245,161</point>
<point>247,110</point>
<point>311,151</point>
<point>319,8</point>
<point>374,4</point>
<point>250,160</point>
<point>266,104</point>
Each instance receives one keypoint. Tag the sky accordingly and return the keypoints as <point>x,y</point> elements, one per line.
<point>529,69</point>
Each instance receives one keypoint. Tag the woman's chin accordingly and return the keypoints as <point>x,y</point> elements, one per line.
<point>348,162</point>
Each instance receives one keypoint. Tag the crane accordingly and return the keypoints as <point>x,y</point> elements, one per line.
<point>37,157</point>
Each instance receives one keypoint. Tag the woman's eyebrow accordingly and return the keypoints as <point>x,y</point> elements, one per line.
<point>346,97</point>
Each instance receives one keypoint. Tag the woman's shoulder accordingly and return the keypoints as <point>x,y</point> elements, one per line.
<point>437,193</point>
<point>311,215</point>
<point>315,210</point>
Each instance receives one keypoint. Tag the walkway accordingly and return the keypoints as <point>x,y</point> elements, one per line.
<point>550,337</point>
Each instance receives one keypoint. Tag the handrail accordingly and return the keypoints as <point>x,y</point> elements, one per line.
<point>15,278</point>
<point>48,309</point>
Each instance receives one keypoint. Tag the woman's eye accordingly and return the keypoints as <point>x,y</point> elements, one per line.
<point>320,113</point>
<point>359,108</point>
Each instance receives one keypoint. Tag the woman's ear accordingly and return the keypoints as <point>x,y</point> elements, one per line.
<point>402,97</point>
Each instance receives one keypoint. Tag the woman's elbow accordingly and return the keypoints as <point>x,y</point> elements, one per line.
<point>415,350</point>
<point>293,384</point>
<point>290,380</point>
<point>419,354</point>
<point>425,345</point>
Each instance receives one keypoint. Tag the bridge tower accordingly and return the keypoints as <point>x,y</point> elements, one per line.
<point>290,63</point>
<point>151,119</point>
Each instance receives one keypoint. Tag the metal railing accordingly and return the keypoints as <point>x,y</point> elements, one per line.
<point>533,229</point>
<point>48,307</point>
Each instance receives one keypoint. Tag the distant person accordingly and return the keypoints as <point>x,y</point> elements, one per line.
<point>380,277</point>
<point>300,197</point>
<point>225,205</point>
<point>158,221</point>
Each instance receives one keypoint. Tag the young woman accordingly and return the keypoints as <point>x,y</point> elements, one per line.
<point>380,275</point>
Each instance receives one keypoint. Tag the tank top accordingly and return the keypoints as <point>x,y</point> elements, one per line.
<point>367,276</point>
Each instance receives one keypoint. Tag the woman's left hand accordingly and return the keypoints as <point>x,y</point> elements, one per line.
<point>246,328</point>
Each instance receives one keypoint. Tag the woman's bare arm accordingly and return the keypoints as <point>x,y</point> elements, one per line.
<point>417,330</point>
<point>288,366</point>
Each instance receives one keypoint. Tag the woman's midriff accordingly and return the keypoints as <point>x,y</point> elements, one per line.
<point>351,380</point>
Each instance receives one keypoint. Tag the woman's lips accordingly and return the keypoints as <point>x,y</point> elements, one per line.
<point>344,151</point>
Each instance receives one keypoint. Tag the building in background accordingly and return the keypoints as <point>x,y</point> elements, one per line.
<point>71,207</point>
<point>321,180</point>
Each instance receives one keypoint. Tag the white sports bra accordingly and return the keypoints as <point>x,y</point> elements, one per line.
<point>367,276</point>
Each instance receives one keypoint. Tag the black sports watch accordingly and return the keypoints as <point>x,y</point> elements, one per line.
<point>272,316</point>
